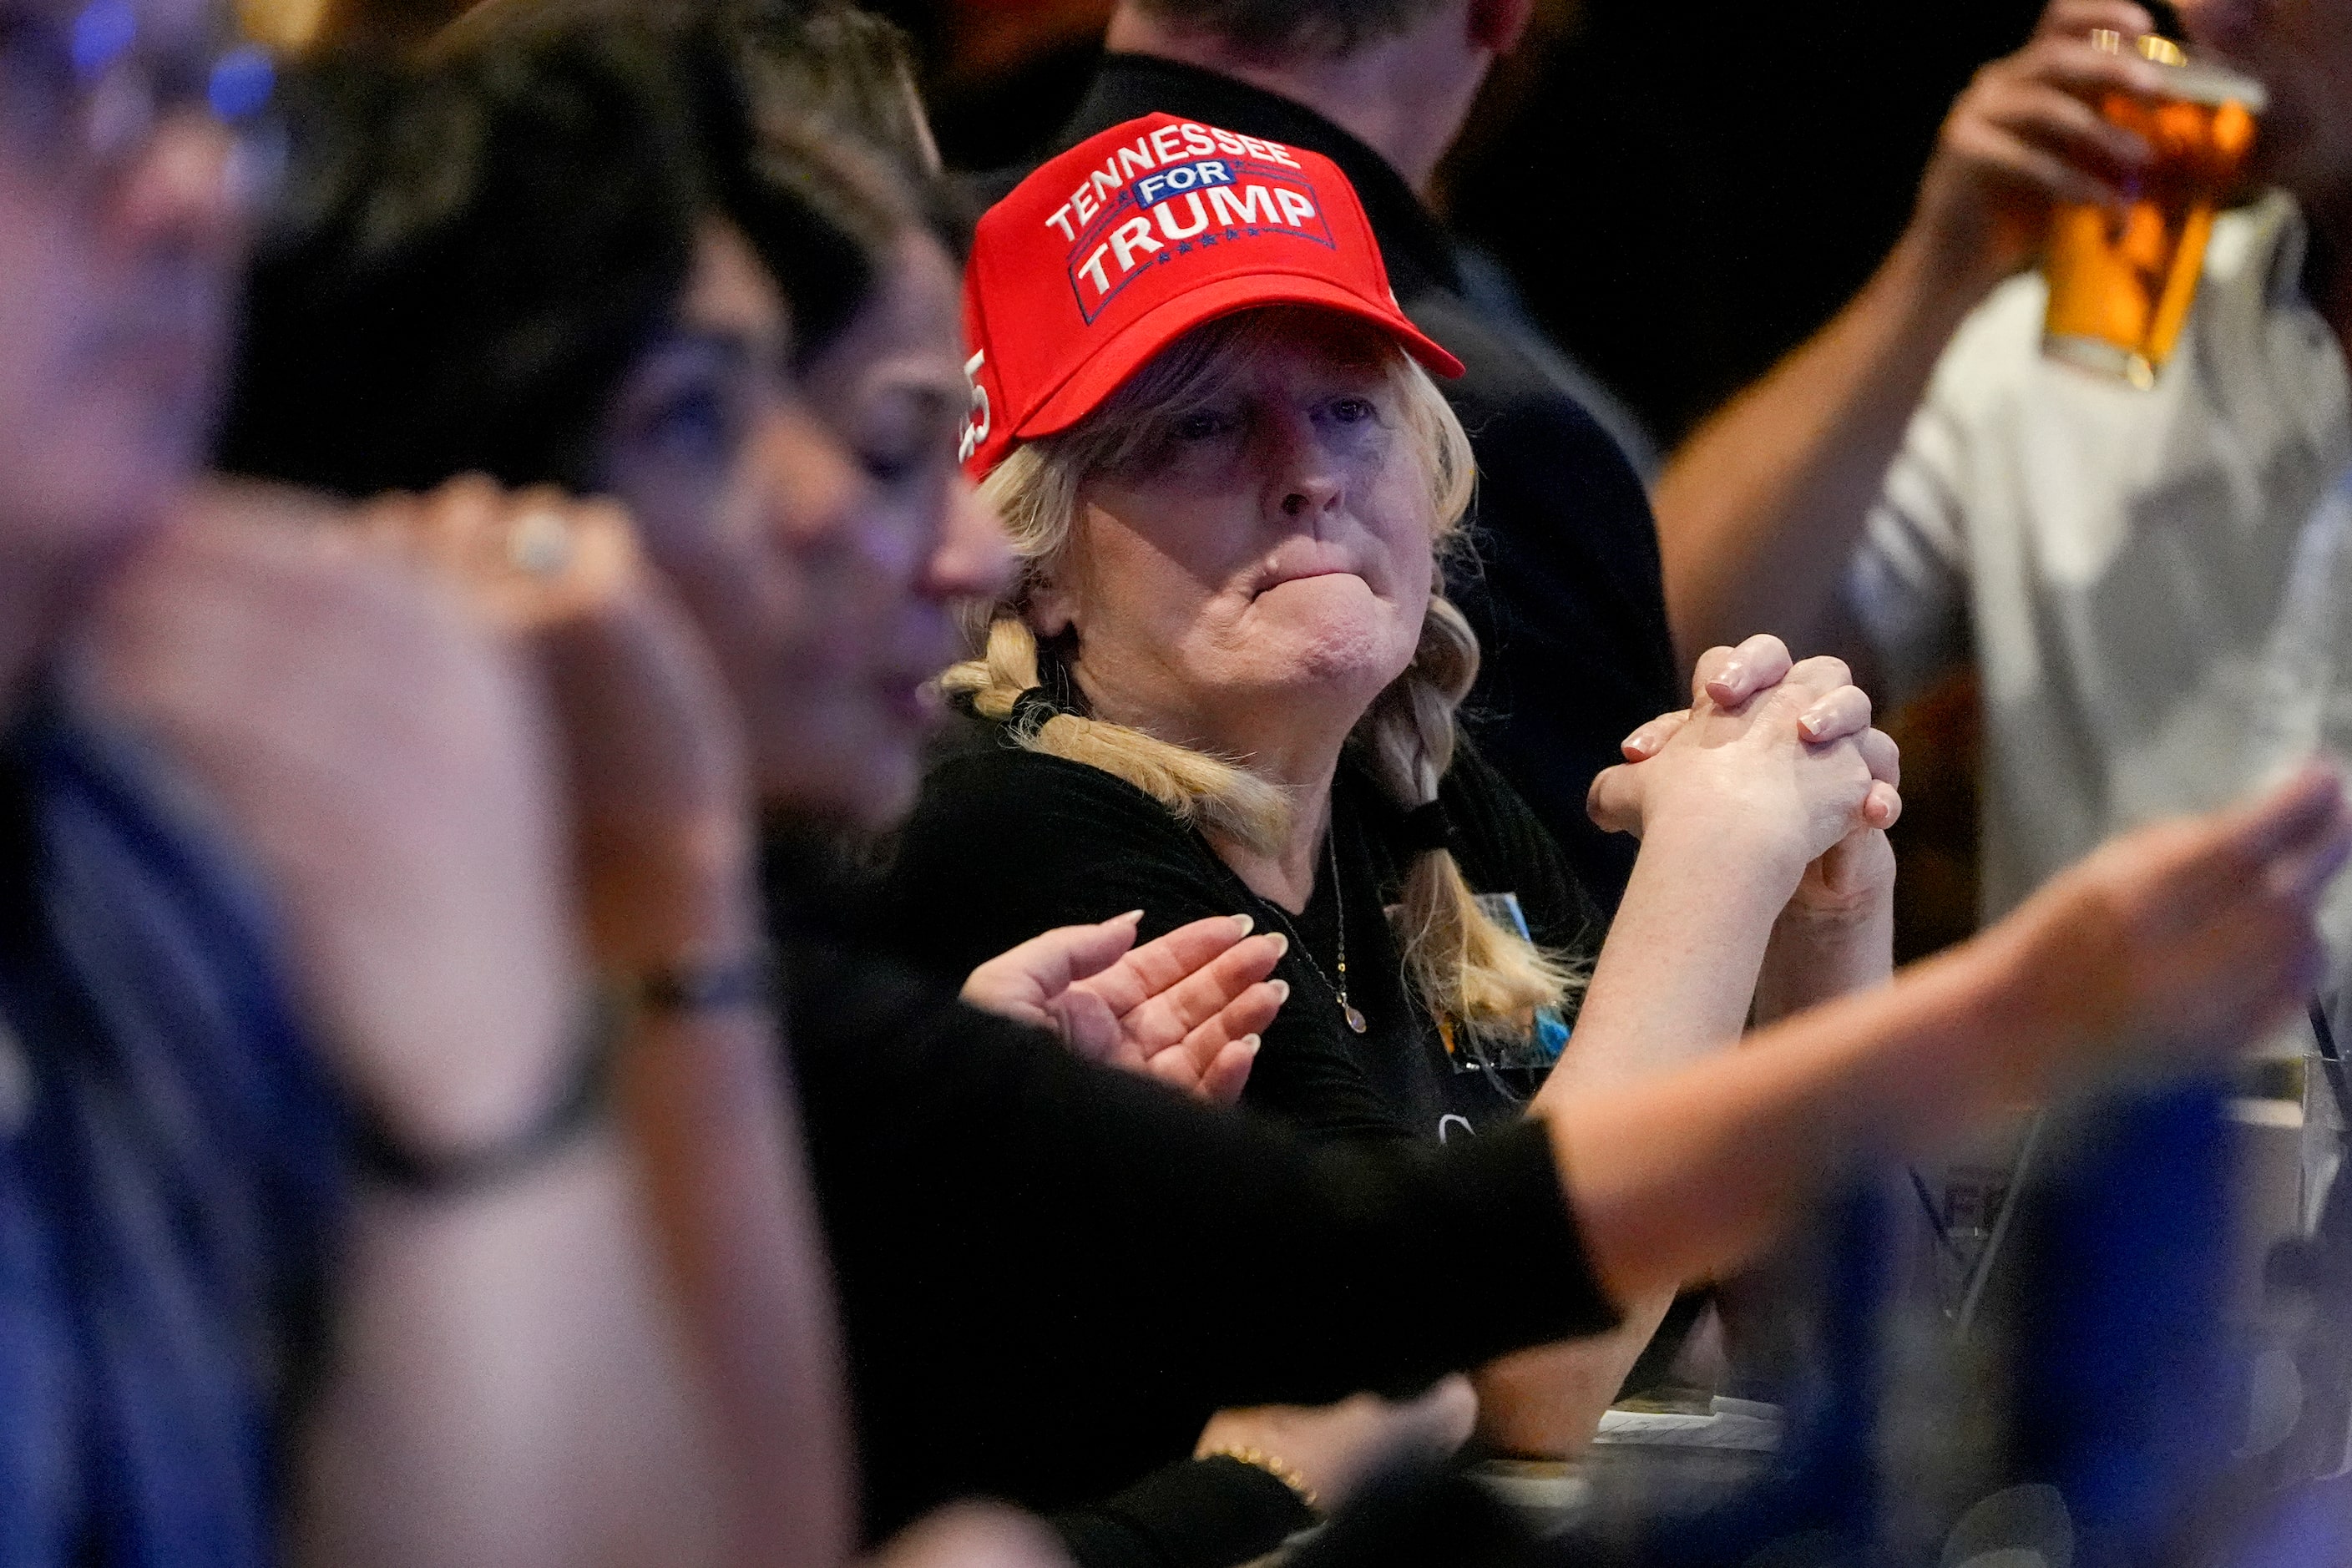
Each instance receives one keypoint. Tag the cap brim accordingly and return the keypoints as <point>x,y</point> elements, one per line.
<point>1133,345</point>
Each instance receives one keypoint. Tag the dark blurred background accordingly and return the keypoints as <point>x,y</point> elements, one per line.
<point>1683,192</point>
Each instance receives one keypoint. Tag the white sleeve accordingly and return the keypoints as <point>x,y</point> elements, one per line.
<point>1907,585</point>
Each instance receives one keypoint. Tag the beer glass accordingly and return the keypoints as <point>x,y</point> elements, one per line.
<point>2121,281</point>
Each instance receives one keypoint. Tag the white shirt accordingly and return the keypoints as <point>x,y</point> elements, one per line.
<point>2119,562</point>
<point>2151,583</point>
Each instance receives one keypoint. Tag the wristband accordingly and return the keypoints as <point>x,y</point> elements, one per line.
<point>684,990</point>
<point>383,1156</point>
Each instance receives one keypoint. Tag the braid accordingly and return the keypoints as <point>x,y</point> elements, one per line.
<point>1209,792</point>
<point>1467,966</point>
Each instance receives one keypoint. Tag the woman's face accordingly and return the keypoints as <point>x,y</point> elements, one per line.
<point>117,270</point>
<point>1272,548</point>
<point>815,528</point>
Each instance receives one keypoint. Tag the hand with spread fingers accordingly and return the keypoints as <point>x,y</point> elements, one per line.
<point>1774,755</point>
<point>1186,1008</point>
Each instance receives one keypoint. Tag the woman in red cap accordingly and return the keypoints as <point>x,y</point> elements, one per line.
<point>1227,677</point>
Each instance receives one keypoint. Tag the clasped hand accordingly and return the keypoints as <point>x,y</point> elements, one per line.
<point>1776,759</point>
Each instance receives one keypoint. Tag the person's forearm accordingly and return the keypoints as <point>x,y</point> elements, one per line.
<point>1674,977</point>
<point>1760,509</point>
<point>1546,1403</point>
<point>508,1386</point>
<point>1695,1171</point>
<point>703,1091</point>
<point>705,1098</point>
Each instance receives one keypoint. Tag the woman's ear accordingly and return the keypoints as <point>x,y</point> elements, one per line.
<point>1050,611</point>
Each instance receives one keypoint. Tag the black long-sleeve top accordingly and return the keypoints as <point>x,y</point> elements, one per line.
<point>1006,842</point>
<point>1051,1274</point>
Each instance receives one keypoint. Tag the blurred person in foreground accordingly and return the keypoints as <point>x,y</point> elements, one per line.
<point>314,1237</point>
<point>1559,583</point>
<point>1040,1260</point>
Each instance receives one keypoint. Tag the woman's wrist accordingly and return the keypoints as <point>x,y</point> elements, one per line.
<point>2018,1016</point>
<point>1273,1465</point>
<point>1727,854</point>
<point>437,1162</point>
<point>703,908</point>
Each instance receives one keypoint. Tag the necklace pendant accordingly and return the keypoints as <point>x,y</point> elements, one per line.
<point>1355,1019</point>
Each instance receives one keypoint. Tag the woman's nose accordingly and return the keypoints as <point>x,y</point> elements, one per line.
<point>1307,478</point>
<point>973,559</point>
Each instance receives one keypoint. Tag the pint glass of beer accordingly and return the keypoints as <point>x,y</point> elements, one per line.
<point>2121,282</point>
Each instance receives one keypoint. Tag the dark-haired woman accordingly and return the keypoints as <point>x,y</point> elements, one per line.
<point>1040,1261</point>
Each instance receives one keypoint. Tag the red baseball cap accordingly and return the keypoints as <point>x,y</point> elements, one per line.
<point>1133,237</point>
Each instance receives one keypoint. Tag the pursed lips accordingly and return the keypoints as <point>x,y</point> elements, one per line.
<point>1297,559</point>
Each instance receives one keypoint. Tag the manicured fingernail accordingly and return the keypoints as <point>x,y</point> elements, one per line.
<point>1131,916</point>
<point>1249,1043</point>
<point>1281,990</point>
<point>1729,674</point>
<point>1242,925</point>
<point>1281,943</point>
<point>1638,740</point>
<point>1812,724</point>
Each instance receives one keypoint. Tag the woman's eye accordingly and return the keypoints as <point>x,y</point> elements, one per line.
<point>893,465</point>
<point>1202,424</point>
<point>1353,410</point>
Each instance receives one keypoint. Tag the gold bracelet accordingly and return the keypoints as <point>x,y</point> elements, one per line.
<point>1259,1458</point>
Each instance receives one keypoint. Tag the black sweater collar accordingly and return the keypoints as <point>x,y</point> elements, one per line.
<point>1413,245</point>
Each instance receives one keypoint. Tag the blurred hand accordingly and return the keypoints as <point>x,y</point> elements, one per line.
<point>972,1535</point>
<point>2186,940</point>
<point>657,783</point>
<point>384,764</point>
<point>1336,1449</point>
<point>1773,757</point>
<point>2025,135</point>
<point>1186,1008</point>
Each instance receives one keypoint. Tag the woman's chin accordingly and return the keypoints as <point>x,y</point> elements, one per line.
<point>1326,633</point>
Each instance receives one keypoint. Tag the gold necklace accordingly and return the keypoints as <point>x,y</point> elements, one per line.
<point>1339,989</point>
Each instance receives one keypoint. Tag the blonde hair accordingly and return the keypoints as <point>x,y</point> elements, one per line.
<point>1469,968</point>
